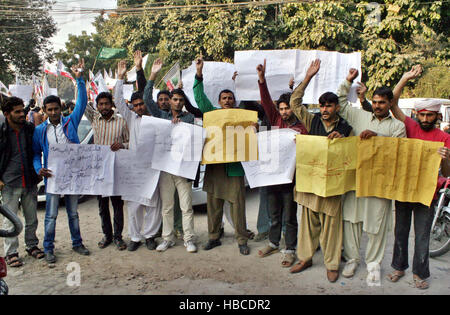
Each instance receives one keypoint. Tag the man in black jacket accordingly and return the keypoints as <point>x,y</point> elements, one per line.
<point>18,180</point>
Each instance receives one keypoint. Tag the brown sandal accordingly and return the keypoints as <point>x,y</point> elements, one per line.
<point>395,275</point>
<point>35,252</point>
<point>420,283</point>
<point>266,251</point>
<point>13,260</point>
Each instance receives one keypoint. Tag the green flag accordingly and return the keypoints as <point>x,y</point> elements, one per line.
<point>112,53</point>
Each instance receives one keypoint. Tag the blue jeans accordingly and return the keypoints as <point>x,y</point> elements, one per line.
<point>263,223</point>
<point>51,213</point>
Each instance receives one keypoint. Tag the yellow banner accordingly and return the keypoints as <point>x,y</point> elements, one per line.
<point>326,167</point>
<point>398,168</point>
<point>230,136</point>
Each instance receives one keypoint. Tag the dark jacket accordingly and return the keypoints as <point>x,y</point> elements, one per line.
<point>31,178</point>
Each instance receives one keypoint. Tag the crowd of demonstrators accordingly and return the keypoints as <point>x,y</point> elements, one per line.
<point>333,224</point>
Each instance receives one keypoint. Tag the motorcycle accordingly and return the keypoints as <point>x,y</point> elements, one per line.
<point>8,233</point>
<point>440,228</point>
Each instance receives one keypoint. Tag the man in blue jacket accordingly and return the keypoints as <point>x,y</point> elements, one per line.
<point>59,129</point>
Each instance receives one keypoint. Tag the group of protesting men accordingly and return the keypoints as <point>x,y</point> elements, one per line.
<point>334,223</point>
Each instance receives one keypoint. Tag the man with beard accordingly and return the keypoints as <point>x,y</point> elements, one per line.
<point>109,129</point>
<point>424,128</point>
<point>370,214</point>
<point>321,218</point>
<point>18,179</point>
<point>280,198</point>
<point>223,181</point>
<point>144,215</point>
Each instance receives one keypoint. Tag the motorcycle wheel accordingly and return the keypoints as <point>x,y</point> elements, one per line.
<point>440,237</point>
<point>3,287</point>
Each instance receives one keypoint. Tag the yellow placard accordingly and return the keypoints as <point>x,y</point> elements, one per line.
<point>326,167</point>
<point>398,168</point>
<point>230,136</point>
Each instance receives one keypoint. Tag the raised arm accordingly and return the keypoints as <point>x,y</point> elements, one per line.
<point>266,100</point>
<point>81,103</point>
<point>152,107</point>
<point>346,111</point>
<point>410,75</point>
<point>121,106</point>
<point>140,75</point>
<point>296,102</point>
<point>204,104</point>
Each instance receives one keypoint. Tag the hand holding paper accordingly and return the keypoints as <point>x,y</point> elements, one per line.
<point>261,70</point>
<point>352,74</point>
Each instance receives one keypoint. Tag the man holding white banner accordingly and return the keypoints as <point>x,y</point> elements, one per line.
<point>280,197</point>
<point>109,129</point>
<point>168,183</point>
<point>144,218</point>
<point>59,129</point>
<point>223,182</point>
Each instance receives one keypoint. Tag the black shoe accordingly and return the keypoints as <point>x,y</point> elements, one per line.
<point>132,246</point>
<point>150,243</point>
<point>50,258</point>
<point>211,244</point>
<point>81,250</point>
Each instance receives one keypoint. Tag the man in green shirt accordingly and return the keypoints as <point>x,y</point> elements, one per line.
<point>223,182</point>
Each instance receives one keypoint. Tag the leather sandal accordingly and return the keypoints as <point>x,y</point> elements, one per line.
<point>299,267</point>
<point>332,275</point>
<point>395,275</point>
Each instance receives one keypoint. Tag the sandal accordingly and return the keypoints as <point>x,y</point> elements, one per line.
<point>288,260</point>
<point>104,242</point>
<point>420,283</point>
<point>244,249</point>
<point>395,275</point>
<point>35,252</point>
<point>13,260</point>
<point>120,244</point>
<point>266,251</point>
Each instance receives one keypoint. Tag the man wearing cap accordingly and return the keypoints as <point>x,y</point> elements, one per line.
<point>424,128</point>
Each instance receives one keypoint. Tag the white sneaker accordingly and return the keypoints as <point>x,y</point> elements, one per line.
<point>190,247</point>
<point>164,246</point>
<point>350,268</point>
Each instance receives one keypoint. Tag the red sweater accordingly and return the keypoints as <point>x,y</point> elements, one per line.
<point>272,113</point>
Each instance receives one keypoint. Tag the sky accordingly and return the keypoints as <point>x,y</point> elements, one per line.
<point>76,23</point>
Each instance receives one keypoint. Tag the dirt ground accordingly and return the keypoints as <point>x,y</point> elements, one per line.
<point>219,271</point>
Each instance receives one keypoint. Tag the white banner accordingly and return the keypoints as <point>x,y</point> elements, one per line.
<point>217,76</point>
<point>81,169</point>
<point>21,91</point>
<point>281,65</point>
<point>176,149</point>
<point>276,164</point>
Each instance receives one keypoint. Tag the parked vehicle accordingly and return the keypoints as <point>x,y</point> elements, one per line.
<point>18,226</point>
<point>440,228</point>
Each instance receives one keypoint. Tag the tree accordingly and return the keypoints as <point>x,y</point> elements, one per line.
<point>87,47</point>
<point>26,28</point>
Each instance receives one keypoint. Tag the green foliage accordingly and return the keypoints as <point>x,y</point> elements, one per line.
<point>25,28</point>
<point>391,36</point>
